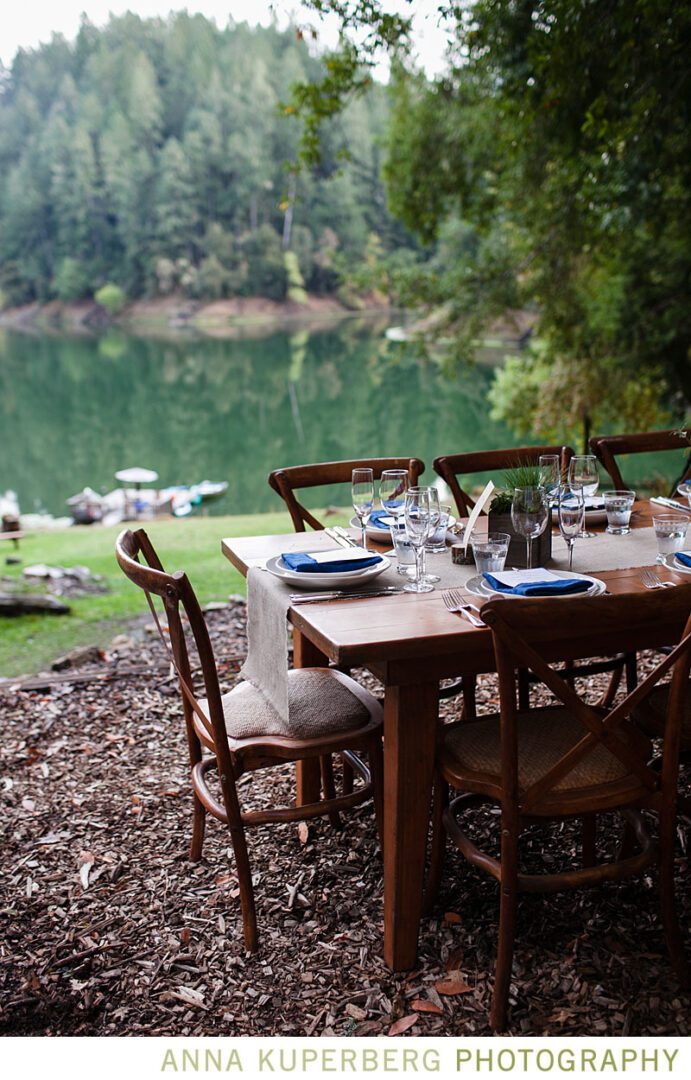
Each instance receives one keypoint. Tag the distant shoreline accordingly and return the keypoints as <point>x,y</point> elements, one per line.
<point>215,318</point>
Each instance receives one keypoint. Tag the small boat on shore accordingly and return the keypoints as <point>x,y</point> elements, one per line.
<point>134,504</point>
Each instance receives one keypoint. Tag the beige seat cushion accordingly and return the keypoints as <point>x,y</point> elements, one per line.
<point>544,736</point>
<point>320,704</point>
<point>650,715</point>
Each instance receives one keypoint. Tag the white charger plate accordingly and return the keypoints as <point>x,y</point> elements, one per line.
<point>479,587</point>
<point>303,580</point>
<point>383,535</point>
<point>670,561</point>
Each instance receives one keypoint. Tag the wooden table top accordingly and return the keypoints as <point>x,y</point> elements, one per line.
<point>388,633</point>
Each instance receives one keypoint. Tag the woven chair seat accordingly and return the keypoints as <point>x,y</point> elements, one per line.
<point>650,715</point>
<point>472,752</point>
<point>320,704</point>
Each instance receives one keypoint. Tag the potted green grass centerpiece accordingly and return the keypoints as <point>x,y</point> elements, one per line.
<point>500,518</point>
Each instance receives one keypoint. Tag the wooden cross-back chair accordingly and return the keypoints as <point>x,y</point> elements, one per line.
<point>567,760</point>
<point>235,733</point>
<point>607,448</point>
<point>296,477</point>
<point>452,466</point>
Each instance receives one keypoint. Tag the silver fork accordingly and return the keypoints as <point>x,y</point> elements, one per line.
<point>652,581</point>
<point>454,603</point>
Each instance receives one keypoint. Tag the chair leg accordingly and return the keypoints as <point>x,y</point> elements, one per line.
<point>198,829</point>
<point>523,689</point>
<point>328,787</point>
<point>469,702</point>
<point>507,927</point>
<point>670,922</point>
<point>631,669</point>
<point>249,913</point>
<point>376,768</point>
<point>440,801</point>
<point>588,834</point>
<point>348,777</point>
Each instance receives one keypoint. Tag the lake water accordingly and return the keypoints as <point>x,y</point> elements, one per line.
<point>74,410</point>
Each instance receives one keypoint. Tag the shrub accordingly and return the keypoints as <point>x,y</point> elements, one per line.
<point>111,297</point>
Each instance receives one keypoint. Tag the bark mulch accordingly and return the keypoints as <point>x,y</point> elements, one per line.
<point>108,929</point>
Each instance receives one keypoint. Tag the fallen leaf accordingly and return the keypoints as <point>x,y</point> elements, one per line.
<point>452,917</point>
<point>422,1005</point>
<point>451,987</point>
<point>403,1024</point>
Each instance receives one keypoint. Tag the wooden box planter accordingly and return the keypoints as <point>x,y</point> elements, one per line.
<point>542,546</point>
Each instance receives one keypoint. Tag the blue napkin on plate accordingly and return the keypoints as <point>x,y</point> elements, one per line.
<point>684,557</point>
<point>305,564</point>
<point>376,519</point>
<point>541,588</point>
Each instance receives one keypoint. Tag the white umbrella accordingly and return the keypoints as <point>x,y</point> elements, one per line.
<point>136,476</point>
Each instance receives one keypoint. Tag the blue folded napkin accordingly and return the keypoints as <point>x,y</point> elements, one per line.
<point>305,564</point>
<point>540,588</point>
<point>684,557</point>
<point>376,519</point>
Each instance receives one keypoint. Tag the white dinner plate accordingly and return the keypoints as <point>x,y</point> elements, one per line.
<point>670,561</point>
<point>479,587</point>
<point>383,535</point>
<point>303,580</point>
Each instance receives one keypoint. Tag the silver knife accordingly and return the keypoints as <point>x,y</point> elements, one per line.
<point>672,505</point>
<point>314,598</point>
<point>340,540</point>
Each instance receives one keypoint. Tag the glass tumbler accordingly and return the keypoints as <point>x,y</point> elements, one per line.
<point>670,533</point>
<point>618,506</point>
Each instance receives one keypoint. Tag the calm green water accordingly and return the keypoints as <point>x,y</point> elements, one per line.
<point>75,410</point>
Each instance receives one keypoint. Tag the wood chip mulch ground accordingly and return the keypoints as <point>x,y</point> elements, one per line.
<point>106,928</point>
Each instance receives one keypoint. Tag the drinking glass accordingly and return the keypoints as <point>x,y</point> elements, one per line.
<point>435,518</point>
<point>418,523</point>
<point>618,506</point>
<point>529,515</point>
<point>405,552</point>
<point>571,516</point>
<point>363,498</point>
<point>392,489</point>
<point>670,533</point>
<point>436,544</point>
<point>490,552</point>
<point>583,474</point>
<point>550,474</point>
<point>685,489</point>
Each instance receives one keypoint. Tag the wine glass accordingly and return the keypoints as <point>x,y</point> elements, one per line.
<point>529,515</point>
<point>583,474</point>
<point>435,518</point>
<point>393,486</point>
<point>571,516</point>
<point>418,527</point>
<point>550,474</point>
<point>363,498</point>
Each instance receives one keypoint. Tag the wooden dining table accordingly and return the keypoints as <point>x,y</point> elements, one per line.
<point>410,642</point>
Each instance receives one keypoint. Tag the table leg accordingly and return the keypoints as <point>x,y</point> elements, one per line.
<point>410,725</point>
<point>307,774</point>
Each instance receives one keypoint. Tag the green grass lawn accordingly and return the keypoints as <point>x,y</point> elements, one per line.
<point>29,643</point>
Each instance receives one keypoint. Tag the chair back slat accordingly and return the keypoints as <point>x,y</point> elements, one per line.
<point>452,466</point>
<point>608,447</point>
<point>521,626</point>
<point>295,477</point>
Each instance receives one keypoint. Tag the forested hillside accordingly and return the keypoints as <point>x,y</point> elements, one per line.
<point>154,156</point>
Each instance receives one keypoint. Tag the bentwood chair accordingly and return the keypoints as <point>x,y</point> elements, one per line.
<point>568,760</point>
<point>239,732</point>
<point>451,466</point>
<point>607,448</point>
<point>295,477</point>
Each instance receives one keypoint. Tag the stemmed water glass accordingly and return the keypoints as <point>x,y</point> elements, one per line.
<point>583,474</point>
<point>435,518</point>
<point>393,486</point>
<point>363,498</point>
<point>571,516</point>
<point>529,515</point>
<point>418,523</point>
<point>550,474</point>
